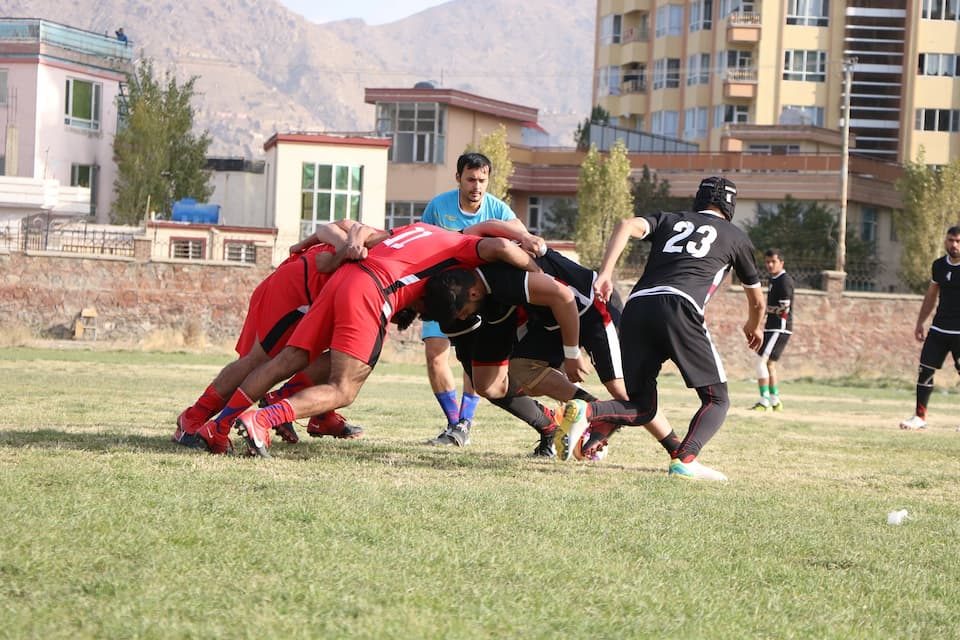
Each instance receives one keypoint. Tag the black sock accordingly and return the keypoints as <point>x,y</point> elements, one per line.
<point>525,408</point>
<point>583,394</point>
<point>670,442</point>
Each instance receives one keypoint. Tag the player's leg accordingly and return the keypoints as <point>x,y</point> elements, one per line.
<point>772,365</point>
<point>436,349</point>
<point>934,352</point>
<point>763,371</point>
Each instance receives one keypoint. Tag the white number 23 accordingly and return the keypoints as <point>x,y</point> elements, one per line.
<point>684,230</point>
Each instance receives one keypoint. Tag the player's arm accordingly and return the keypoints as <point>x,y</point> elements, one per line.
<point>926,308</point>
<point>548,292</point>
<point>622,232</point>
<point>332,233</point>
<point>511,230</point>
<point>502,250</point>
<point>756,308</point>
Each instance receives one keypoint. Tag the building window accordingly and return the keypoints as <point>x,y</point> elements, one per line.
<point>731,114</point>
<point>868,225</point>
<point>534,217</point>
<point>188,248</point>
<point>698,69</point>
<point>701,15</point>
<point>940,10</point>
<point>329,192</point>
<point>939,64</point>
<point>938,120</point>
<point>240,252</point>
<point>669,20</point>
<point>83,104</point>
<point>735,60</point>
<point>806,66</point>
<point>81,175</point>
<point>665,123</point>
<point>802,115</point>
<point>666,73</point>
<point>3,86</point>
<point>417,128</point>
<point>609,81</point>
<point>813,13</point>
<point>695,123</point>
<point>611,27</point>
<point>735,6</point>
<point>773,149</point>
<point>402,213</point>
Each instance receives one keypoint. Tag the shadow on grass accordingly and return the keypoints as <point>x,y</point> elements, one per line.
<point>389,454</point>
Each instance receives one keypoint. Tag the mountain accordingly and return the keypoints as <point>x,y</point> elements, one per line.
<point>262,68</point>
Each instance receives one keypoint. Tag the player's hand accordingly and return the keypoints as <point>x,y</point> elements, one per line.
<point>534,245</point>
<point>918,333</point>
<point>575,369</point>
<point>604,288</point>
<point>754,337</point>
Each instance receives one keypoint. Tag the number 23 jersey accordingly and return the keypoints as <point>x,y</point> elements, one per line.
<point>690,254</point>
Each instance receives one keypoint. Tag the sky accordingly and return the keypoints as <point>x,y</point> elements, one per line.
<point>371,11</point>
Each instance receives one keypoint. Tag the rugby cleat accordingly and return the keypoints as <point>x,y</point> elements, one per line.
<point>915,423</point>
<point>570,430</point>
<point>209,438</point>
<point>333,424</point>
<point>457,435</point>
<point>760,406</point>
<point>256,435</point>
<point>693,470</point>
<point>185,427</point>
<point>595,441</point>
<point>285,431</point>
<point>778,406</point>
<point>546,448</point>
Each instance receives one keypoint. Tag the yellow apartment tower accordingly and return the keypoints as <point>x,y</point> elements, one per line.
<point>697,69</point>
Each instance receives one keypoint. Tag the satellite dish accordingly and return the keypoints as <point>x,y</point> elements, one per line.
<point>424,84</point>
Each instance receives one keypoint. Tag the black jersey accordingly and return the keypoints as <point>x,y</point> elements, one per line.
<point>691,253</point>
<point>507,285</point>
<point>947,275</point>
<point>780,304</point>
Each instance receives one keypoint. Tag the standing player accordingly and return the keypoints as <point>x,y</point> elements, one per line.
<point>350,319</point>
<point>456,210</point>
<point>691,253</point>
<point>944,334</point>
<point>776,332</point>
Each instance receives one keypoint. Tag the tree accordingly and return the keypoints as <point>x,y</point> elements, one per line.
<point>598,115</point>
<point>494,145</point>
<point>159,159</point>
<point>808,234</point>
<point>560,222</point>
<point>604,198</point>
<point>931,204</point>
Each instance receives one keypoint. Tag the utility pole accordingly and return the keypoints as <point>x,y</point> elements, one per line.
<point>848,64</point>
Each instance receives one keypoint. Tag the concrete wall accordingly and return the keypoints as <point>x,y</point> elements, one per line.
<point>835,333</point>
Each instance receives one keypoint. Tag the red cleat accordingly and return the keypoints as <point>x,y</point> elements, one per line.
<point>209,438</point>
<point>333,424</point>
<point>594,447</point>
<point>256,435</point>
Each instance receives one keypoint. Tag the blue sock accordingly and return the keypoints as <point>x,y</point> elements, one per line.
<point>448,402</point>
<point>468,406</point>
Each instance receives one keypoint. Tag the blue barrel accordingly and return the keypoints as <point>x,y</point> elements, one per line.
<point>189,210</point>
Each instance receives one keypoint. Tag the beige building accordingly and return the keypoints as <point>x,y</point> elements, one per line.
<point>690,69</point>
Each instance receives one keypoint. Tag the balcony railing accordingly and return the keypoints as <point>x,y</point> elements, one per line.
<point>744,19</point>
<point>634,85</point>
<point>740,75</point>
<point>64,37</point>
<point>635,34</point>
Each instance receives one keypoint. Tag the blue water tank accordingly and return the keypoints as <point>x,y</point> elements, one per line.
<point>189,210</point>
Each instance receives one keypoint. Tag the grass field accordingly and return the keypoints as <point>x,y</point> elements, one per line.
<point>111,531</point>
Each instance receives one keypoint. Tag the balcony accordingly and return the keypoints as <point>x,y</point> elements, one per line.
<point>27,37</point>
<point>635,34</point>
<point>740,83</point>
<point>743,28</point>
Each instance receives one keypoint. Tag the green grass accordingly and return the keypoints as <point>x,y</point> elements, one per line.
<point>111,531</point>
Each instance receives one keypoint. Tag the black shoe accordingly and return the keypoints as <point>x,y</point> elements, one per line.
<point>546,448</point>
<point>457,435</point>
<point>285,431</point>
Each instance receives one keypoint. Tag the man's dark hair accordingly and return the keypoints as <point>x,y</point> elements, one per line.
<point>953,231</point>
<point>404,318</point>
<point>446,294</point>
<point>774,253</point>
<point>473,160</point>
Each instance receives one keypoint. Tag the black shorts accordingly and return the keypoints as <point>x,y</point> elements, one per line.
<point>489,344</point>
<point>936,347</point>
<point>598,337</point>
<point>773,344</point>
<point>658,328</point>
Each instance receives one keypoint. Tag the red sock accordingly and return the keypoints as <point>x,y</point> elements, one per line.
<point>276,414</point>
<point>237,404</point>
<point>298,382</point>
<point>206,406</point>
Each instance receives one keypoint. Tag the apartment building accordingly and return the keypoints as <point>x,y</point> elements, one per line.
<point>60,88</point>
<point>695,69</point>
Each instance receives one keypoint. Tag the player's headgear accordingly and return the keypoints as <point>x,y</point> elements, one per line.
<point>718,192</point>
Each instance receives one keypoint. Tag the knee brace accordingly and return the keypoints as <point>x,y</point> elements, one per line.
<point>925,376</point>
<point>763,371</point>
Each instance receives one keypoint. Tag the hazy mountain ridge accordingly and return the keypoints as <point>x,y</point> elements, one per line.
<point>263,68</point>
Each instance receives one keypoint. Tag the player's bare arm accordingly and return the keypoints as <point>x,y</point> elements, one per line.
<point>546,291</point>
<point>622,232</point>
<point>756,308</point>
<point>502,250</point>
<point>926,308</point>
<point>511,230</point>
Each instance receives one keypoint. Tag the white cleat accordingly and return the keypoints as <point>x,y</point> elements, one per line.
<point>569,432</point>
<point>914,424</point>
<point>693,470</point>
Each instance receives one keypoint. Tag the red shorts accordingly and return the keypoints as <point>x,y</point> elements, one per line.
<point>350,316</point>
<point>278,304</point>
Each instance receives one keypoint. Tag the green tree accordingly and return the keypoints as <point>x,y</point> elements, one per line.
<point>494,145</point>
<point>604,197</point>
<point>159,159</point>
<point>560,222</point>
<point>808,234</point>
<point>598,115</point>
<point>931,205</point>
